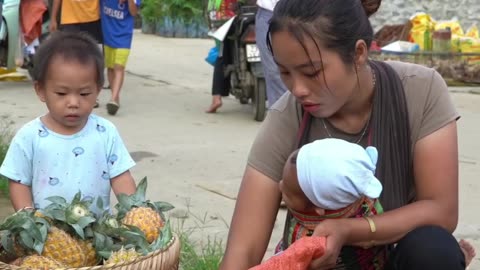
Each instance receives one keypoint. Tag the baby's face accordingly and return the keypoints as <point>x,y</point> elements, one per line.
<point>292,194</point>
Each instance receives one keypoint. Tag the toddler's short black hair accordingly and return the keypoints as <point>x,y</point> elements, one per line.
<point>71,46</point>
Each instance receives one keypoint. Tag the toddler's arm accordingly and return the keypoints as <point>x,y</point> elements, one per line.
<point>124,183</point>
<point>20,195</point>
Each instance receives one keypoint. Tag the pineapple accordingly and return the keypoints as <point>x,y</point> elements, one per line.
<point>122,256</point>
<point>134,210</point>
<point>91,258</point>
<point>22,234</point>
<point>76,221</point>
<point>35,235</point>
<point>147,220</point>
<point>35,262</point>
<point>63,248</point>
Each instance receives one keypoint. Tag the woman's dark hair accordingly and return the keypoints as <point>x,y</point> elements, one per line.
<point>337,24</point>
<point>78,47</point>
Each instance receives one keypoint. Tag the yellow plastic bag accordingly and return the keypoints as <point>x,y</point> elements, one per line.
<point>470,45</point>
<point>473,32</point>
<point>422,28</point>
<point>456,43</point>
<point>453,24</point>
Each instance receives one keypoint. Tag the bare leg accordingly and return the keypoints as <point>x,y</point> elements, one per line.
<point>110,77</point>
<point>118,74</point>
<point>117,82</point>
<point>468,251</point>
<point>216,103</point>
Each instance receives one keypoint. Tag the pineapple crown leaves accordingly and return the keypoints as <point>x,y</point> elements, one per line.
<point>104,245</point>
<point>125,237</point>
<point>29,231</point>
<point>108,225</point>
<point>105,235</point>
<point>61,210</point>
<point>135,237</point>
<point>110,236</point>
<point>75,215</point>
<point>81,226</point>
<point>164,237</point>
<point>138,199</point>
<point>100,203</point>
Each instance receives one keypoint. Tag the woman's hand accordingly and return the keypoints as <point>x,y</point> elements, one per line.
<point>337,232</point>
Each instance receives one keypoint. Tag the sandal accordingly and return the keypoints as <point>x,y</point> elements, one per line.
<point>112,107</point>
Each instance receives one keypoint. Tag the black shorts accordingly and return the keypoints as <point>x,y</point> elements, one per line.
<point>92,28</point>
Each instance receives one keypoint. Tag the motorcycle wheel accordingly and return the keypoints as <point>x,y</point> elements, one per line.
<point>259,100</point>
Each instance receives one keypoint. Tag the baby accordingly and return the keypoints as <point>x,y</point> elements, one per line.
<point>330,175</point>
<point>328,179</point>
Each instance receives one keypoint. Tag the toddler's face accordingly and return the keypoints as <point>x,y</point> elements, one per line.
<point>292,194</point>
<point>70,92</point>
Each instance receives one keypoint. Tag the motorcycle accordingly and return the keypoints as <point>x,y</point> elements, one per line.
<point>14,50</point>
<point>247,80</point>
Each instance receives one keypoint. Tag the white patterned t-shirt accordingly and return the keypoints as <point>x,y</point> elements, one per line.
<point>58,165</point>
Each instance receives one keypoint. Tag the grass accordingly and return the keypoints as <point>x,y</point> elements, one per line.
<point>207,256</point>
<point>5,136</point>
<point>203,254</point>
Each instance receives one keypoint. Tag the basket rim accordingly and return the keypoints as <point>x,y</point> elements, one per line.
<point>164,249</point>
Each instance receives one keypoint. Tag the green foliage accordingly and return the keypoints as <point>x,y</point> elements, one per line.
<point>199,250</point>
<point>153,11</point>
<point>5,137</point>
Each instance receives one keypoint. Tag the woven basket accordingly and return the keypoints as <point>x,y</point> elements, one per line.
<point>167,258</point>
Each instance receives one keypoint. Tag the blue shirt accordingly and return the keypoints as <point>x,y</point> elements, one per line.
<point>58,165</point>
<point>117,23</point>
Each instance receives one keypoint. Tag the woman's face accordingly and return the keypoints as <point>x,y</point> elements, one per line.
<point>322,89</point>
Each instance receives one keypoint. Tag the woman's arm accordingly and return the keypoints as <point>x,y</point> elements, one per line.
<point>436,180</point>
<point>252,223</point>
<point>20,195</point>
<point>124,183</point>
